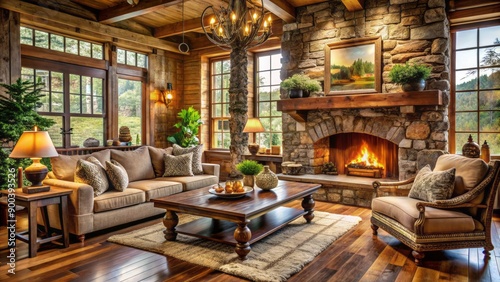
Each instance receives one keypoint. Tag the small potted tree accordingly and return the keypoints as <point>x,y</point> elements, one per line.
<point>249,169</point>
<point>300,85</point>
<point>189,126</point>
<point>411,77</point>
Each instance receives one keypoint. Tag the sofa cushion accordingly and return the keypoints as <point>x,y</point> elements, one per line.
<point>155,188</point>
<point>468,171</point>
<point>430,186</point>
<point>117,175</point>
<point>64,166</point>
<point>437,221</point>
<point>115,199</point>
<point>178,165</point>
<point>137,163</point>
<point>193,182</point>
<point>156,155</point>
<point>197,155</point>
<point>92,174</point>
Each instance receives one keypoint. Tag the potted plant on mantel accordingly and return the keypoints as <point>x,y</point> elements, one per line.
<point>411,77</point>
<point>300,85</point>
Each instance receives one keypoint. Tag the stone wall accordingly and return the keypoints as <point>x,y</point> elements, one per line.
<point>411,30</point>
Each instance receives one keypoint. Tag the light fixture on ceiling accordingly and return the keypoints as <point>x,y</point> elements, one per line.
<point>133,2</point>
<point>237,24</point>
<point>183,47</point>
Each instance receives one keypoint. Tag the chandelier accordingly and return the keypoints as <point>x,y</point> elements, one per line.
<point>237,25</point>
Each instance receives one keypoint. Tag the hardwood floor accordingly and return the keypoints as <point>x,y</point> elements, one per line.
<point>357,256</point>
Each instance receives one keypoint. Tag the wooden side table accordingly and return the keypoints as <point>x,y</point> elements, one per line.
<point>41,200</point>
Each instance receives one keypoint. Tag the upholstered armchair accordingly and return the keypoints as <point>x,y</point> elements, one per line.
<point>437,216</point>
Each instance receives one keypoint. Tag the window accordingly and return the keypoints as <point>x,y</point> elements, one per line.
<point>219,100</point>
<point>130,107</point>
<point>46,40</point>
<point>268,93</point>
<point>82,94</point>
<point>131,58</point>
<point>476,101</point>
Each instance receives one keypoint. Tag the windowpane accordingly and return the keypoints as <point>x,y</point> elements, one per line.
<point>130,58</point>
<point>489,78</point>
<point>71,46</point>
<point>264,94</point>
<point>86,104</point>
<point>489,100</point>
<point>466,59</point>
<point>489,56</point>
<point>466,101</point>
<point>97,86</point>
<point>493,140</point>
<point>45,100</point>
<point>217,97</point>
<point>489,121</point>
<point>41,39</point>
<point>74,104</point>
<point>225,81</point>
<point>56,81</point>
<point>264,78</point>
<point>466,121</point>
<point>217,69</point>
<point>57,103</point>
<point>86,85</point>
<point>466,80</point>
<point>226,66</point>
<point>120,56</point>
<point>275,93</point>
<point>489,35</point>
<point>26,36</point>
<point>85,49</point>
<point>264,63</point>
<point>130,106</point>
<point>219,103</point>
<point>97,52</point>
<point>466,39</point>
<point>86,127</point>
<point>57,42</point>
<point>141,61</point>
<point>55,130</point>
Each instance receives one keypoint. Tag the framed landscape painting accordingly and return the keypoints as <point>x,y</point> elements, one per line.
<point>353,66</point>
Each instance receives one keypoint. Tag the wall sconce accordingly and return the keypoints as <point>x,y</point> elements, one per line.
<point>167,94</point>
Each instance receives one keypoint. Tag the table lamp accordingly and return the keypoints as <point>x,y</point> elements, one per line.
<point>253,126</point>
<point>35,145</point>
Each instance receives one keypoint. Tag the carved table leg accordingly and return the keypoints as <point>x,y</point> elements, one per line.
<point>242,235</point>
<point>170,220</point>
<point>308,205</point>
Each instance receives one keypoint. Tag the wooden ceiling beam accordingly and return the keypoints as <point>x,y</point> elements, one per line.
<point>125,11</point>
<point>83,24</point>
<point>354,5</point>
<point>176,28</point>
<point>280,8</point>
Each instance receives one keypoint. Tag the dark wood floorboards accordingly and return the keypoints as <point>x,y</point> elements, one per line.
<point>356,256</point>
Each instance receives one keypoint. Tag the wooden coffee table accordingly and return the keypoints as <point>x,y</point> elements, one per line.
<point>238,222</point>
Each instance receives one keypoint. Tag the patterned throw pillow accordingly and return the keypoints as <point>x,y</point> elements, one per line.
<point>93,175</point>
<point>117,175</point>
<point>197,154</point>
<point>430,186</point>
<point>178,165</point>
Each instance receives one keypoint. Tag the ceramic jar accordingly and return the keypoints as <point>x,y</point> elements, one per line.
<point>248,180</point>
<point>267,179</point>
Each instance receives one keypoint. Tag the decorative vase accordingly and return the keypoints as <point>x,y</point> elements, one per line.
<point>471,149</point>
<point>414,86</point>
<point>485,152</point>
<point>295,93</point>
<point>266,180</point>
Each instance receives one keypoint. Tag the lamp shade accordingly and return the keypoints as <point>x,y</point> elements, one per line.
<point>34,144</point>
<point>253,125</point>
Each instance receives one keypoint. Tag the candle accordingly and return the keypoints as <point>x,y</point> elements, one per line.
<point>20,177</point>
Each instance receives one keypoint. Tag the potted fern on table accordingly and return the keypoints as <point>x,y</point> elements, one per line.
<point>249,169</point>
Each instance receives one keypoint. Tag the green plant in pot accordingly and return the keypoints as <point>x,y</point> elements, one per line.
<point>249,169</point>
<point>411,77</point>
<point>300,85</point>
<point>189,126</point>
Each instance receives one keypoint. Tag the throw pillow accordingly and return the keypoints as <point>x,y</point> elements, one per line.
<point>433,185</point>
<point>156,155</point>
<point>64,166</point>
<point>197,154</point>
<point>117,175</point>
<point>137,163</point>
<point>178,165</point>
<point>93,175</point>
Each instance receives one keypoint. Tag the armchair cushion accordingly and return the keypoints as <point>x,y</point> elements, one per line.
<point>430,186</point>
<point>437,221</point>
<point>469,171</point>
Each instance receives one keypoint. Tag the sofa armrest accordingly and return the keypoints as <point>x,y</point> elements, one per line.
<point>212,169</point>
<point>81,201</point>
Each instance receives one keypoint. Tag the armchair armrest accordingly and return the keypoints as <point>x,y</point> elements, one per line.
<point>212,169</point>
<point>401,188</point>
<point>81,201</point>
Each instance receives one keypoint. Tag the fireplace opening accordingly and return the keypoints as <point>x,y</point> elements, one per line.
<point>362,154</point>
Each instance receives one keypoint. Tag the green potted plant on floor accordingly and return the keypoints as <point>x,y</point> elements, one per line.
<point>300,85</point>
<point>249,169</point>
<point>411,77</point>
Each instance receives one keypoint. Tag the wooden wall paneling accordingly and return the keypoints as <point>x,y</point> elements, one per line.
<point>112,93</point>
<point>10,53</point>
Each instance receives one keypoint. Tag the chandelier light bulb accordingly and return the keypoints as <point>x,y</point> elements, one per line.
<point>233,17</point>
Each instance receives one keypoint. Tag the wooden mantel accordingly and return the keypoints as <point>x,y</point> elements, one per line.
<point>297,108</point>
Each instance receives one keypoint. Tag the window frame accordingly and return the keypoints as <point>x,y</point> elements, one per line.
<point>213,118</point>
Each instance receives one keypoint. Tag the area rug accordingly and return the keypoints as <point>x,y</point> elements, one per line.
<point>274,258</point>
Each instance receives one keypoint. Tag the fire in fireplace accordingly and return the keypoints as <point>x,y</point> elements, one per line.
<point>365,163</point>
<point>362,154</point>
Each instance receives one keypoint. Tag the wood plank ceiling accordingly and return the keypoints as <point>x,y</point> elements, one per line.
<point>149,19</point>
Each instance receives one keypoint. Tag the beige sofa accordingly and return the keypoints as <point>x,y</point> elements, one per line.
<point>144,167</point>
